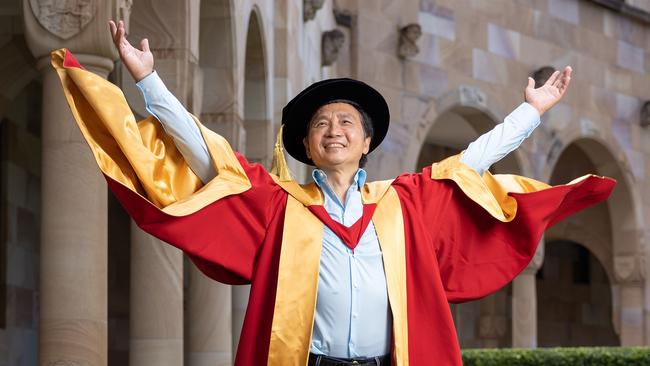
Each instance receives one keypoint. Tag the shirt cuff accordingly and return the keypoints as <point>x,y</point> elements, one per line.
<point>151,86</point>
<point>527,117</point>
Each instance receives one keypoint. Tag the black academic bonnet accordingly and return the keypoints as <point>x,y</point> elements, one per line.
<point>297,114</point>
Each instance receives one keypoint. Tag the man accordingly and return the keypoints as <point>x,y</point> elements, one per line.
<point>342,271</point>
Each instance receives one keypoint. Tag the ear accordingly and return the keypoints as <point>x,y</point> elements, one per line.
<point>366,145</point>
<point>306,143</point>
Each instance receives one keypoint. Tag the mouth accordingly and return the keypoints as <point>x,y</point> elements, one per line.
<point>334,145</point>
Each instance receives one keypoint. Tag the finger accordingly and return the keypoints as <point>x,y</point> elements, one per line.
<point>565,84</point>
<point>559,79</point>
<point>531,83</point>
<point>112,27</point>
<point>565,73</point>
<point>144,45</point>
<point>552,78</point>
<point>564,79</point>
<point>121,32</point>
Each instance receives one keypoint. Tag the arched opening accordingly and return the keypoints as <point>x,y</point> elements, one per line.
<point>600,236</point>
<point>574,298</point>
<point>256,117</point>
<point>453,130</point>
<point>591,227</point>
<point>208,304</point>
<point>258,135</point>
<point>21,101</point>
<point>217,60</point>
<point>487,322</point>
<point>118,248</point>
<point>119,282</point>
<point>20,214</point>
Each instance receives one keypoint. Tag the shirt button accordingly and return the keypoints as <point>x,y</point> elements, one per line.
<point>354,315</point>
<point>356,285</point>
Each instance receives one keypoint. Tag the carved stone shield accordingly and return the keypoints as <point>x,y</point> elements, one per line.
<point>63,18</point>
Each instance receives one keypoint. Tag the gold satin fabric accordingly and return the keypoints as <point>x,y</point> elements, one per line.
<point>140,155</point>
<point>297,289</point>
<point>489,191</point>
<point>389,225</point>
<point>307,194</point>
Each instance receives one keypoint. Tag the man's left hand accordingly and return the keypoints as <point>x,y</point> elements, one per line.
<point>547,95</point>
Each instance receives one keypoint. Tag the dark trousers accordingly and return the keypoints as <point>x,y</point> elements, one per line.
<point>319,360</point>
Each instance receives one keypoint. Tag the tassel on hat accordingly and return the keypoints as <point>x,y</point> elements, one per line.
<point>279,165</point>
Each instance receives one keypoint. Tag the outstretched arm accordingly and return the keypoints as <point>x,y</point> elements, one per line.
<point>492,146</point>
<point>163,105</point>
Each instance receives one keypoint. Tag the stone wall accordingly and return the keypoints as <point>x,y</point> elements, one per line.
<point>473,60</point>
<point>574,298</point>
<point>20,198</point>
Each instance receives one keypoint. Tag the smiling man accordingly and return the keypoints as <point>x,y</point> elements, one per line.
<point>343,271</point>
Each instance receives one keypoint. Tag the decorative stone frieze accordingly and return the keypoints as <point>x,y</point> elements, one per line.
<point>310,7</point>
<point>332,42</point>
<point>79,25</point>
<point>472,96</point>
<point>629,268</point>
<point>64,19</point>
<point>408,37</point>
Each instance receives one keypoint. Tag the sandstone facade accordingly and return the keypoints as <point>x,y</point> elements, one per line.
<point>81,285</point>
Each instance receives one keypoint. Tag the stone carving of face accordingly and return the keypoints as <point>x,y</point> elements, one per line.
<point>407,38</point>
<point>332,42</point>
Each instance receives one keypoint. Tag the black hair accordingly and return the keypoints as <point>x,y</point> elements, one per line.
<point>366,123</point>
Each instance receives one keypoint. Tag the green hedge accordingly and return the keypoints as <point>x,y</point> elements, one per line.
<point>582,356</point>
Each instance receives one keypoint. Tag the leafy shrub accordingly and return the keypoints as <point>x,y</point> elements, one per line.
<point>581,356</point>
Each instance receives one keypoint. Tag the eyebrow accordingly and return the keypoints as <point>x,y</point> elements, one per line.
<point>338,114</point>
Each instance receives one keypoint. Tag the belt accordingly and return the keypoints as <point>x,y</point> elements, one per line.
<point>321,360</point>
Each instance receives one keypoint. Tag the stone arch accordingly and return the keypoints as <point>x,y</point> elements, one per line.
<point>258,130</point>
<point>609,230</point>
<point>468,108</point>
<point>220,106</point>
<point>446,129</point>
<point>592,155</point>
<point>257,116</point>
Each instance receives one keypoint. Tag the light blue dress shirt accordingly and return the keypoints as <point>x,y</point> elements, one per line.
<point>353,316</point>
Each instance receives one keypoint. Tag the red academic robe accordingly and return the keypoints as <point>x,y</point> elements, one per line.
<point>446,233</point>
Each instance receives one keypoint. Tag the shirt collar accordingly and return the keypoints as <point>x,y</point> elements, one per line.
<point>321,178</point>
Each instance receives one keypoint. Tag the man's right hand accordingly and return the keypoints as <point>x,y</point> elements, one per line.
<point>138,62</point>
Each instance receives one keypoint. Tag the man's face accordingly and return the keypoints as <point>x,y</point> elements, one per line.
<point>335,139</point>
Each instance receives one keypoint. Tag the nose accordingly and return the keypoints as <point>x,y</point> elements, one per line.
<point>334,129</point>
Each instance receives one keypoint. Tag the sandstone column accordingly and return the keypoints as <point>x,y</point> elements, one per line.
<point>240,296</point>
<point>209,330</point>
<point>524,310</point>
<point>628,299</point>
<point>73,278</point>
<point>73,282</point>
<point>631,314</point>
<point>157,319</point>
<point>156,302</point>
<point>524,304</point>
